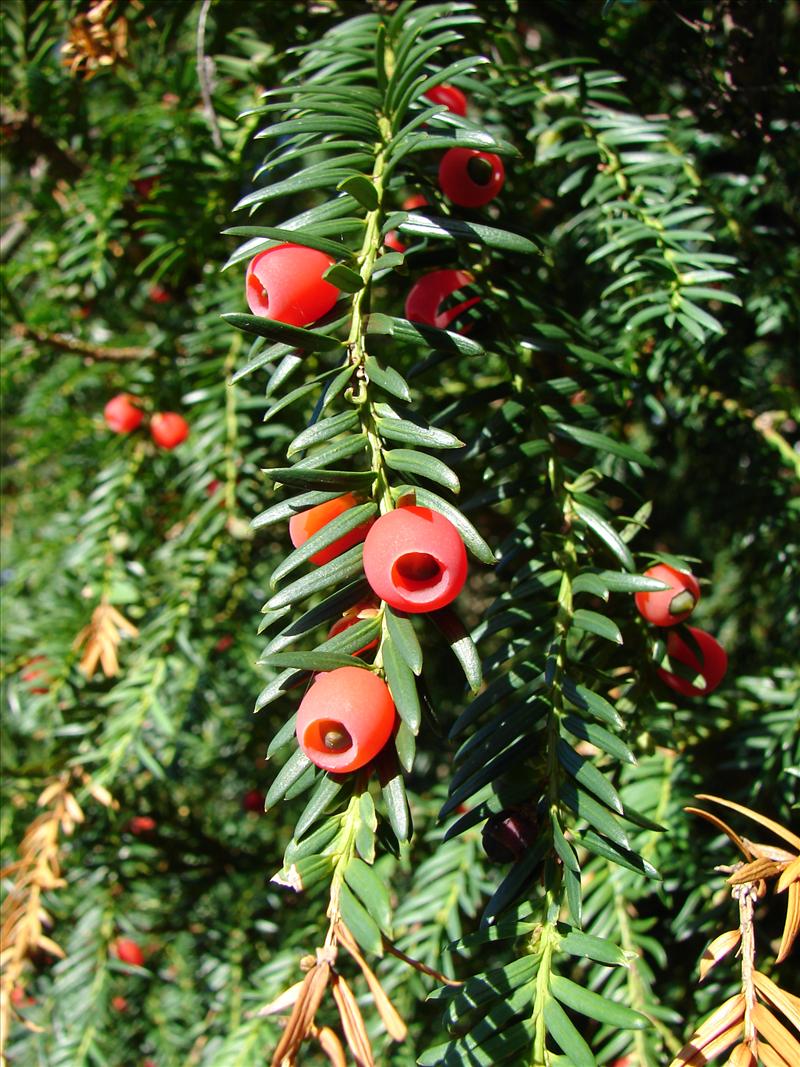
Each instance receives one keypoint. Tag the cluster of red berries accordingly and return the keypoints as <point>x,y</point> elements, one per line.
<point>414,561</point>
<point>286,282</point>
<point>123,415</point>
<point>468,178</point>
<point>674,605</point>
<point>414,558</point>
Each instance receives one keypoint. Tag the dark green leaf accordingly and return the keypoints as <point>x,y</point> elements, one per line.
<point>415,333</point>
<point>386,378</point>
<point>371,891</point>
<point>344,278</point>
<point>598,816</point>
<point>596,705</point>
<point>469,535</point>
<point>474,232</point>
<point>292,506</point>
<point>566,1036</point>
<point>587,946</point>
<point>296,765</point>
<point>335,573</point>
<point>402,686</point>
<point>307,340</point>
<point>359,923</point>
<point>594,1006</point>
<point>316,478</point>
<point>361,189</point>
<point>420,436</point>
<point>404,639</point>
<point>606,533</point>
<point>328,789</point>
<point>461,643</point>
<point>594,623</point>
<point>322,431</point>
<point>585,772</point>
<point>327,535</point>
<point>418,463</point>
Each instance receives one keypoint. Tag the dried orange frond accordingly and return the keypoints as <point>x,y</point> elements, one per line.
<point>37,871</point>
<point>92,44</point>
<point>787,1003</point>
<point>791,926</point>
<point>393,1024</point>
<point>772,1030</point>
<point>720,1030</point>
<point>781,831</point>
<point>718,950</point>
<point>723,826</point>
<point>764,862</point>
<point>102,638</point>
<point>304,998</point>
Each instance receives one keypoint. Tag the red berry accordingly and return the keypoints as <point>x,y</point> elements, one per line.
<point>128,951</point>
<point>142,824</point>
<point>121,413</point>
<point>159,295</point>
<point>470,178</point>
<point>345,719</point>
<point>31,675</point>
<point>392,240</point>
<point>451,97</point>
<point>144,186</point>
<point>168,429</point>
<point>366,609</point>
<point>285,283</point>
<point>224,643</point>
<point>426,297</point>
<point>415,560</point>
<point>712,668</point>
<point>119,1004</point>
<point>306,523</point>
<point>673,605</point>
<point>253,800</point>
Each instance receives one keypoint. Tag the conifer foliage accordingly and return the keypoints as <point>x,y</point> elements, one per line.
<point>487,502</point>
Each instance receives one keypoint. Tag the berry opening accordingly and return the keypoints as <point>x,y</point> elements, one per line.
<point>335,738</point>
<point>416,570</point>
<point>480,170</point>
<point>682,603</point>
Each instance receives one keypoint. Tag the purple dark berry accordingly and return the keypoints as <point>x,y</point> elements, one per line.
<point>508,835</point>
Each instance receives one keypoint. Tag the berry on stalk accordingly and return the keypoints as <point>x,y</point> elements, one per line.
<point>306,523</point>
<point>711,667</point>
<point>450,97</point>
<point>345,719</point>
<point>471,178</point>
<point>122,414</point>
<point>285,283</point>
<point>425,299</point>
<point>415,560</point>
<point>669,606</point>
<point>168,429</point>
<point>507,836</point>
<point>128,951</point>
<point>365,609</point>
